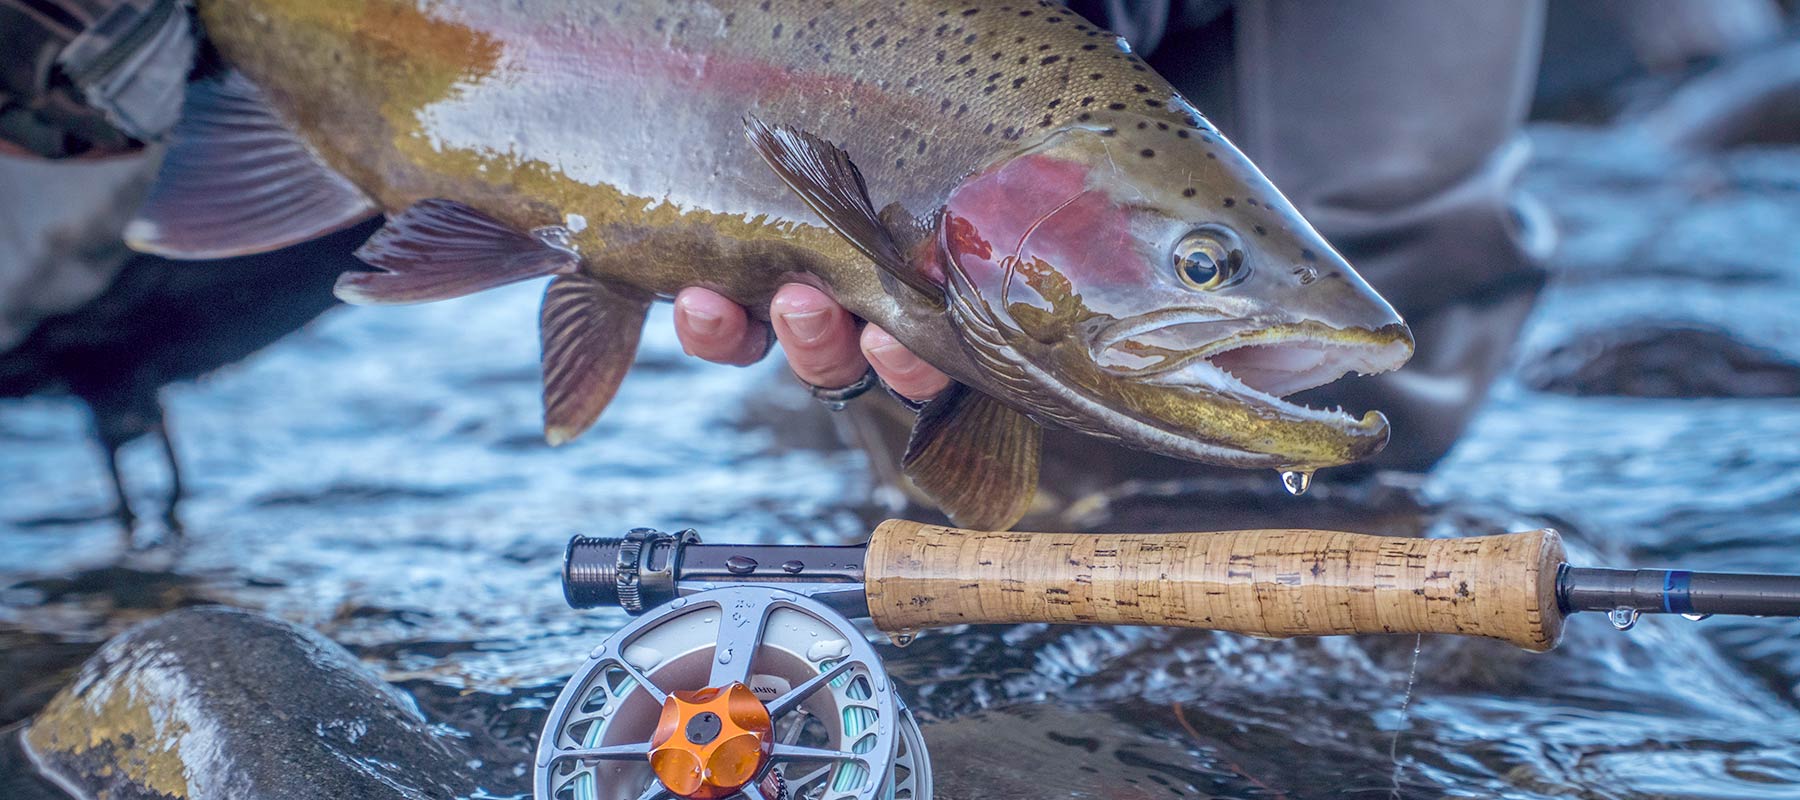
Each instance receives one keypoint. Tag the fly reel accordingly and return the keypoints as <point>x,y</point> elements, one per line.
<point>736,691</point>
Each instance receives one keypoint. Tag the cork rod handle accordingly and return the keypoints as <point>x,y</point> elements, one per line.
<point>1273,583</point>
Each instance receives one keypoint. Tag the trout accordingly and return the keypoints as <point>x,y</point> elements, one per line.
<point>1006,188</point>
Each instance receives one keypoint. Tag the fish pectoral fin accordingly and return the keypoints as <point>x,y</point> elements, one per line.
<point>236,181</point>
<point>975,457</point>
<point>438,249</point>
<point>590,331</point>
<point>825,177</point>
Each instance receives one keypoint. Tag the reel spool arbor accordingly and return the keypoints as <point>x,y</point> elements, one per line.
<point>737,692</point>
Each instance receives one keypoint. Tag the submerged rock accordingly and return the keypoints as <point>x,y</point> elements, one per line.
<point>220,703</point>
<point>1663,360</point>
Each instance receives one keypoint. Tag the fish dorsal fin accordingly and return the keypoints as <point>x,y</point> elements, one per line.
<point>975,457</point>
<point>825,177</point>
<point>438,249</point>
<point>236,181</point>
<point>590,331</point>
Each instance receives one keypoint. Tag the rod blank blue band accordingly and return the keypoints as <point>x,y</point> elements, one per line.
<point>1676,598</point>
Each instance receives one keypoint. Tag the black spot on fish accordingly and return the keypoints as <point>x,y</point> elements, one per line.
<point>899,163</point>
<point>944,106</point>
<point>1138,68</point>
<point>1162,126</point>
<point>988,89</point>
<point>1147,153</point>
<point>1018,40</point>
<point>989,128</point>
<point>1046,122</point>
<point>1116,106</point>
<point>940,30</point>
<point>921,147</point>
<point>1053,103</point>
<point>855,48</point>
<point>1153,103</point>
<point>970,39</point>
<point>1084,117</point>
<point>1053,20</point>
<point>969,73</point>
<point>777,31</point>
<point>1261,231</point>
<point>1023,59</point>
<point>1025,13</point>
<point>1212,155</point>
<point>1018,82</point>
<point>1182,133</point>
<point>764,5</point>
<point>1251,201</point>
<point>940,56</point>
<point>995,56</point>
<point>970,12</point>
<point>1230,202</point>
<point>1188,192</point>
<point>1139,88</point>
<point>962,109</point>
<point>1090,47</point>
<point>1048,60</point>
<point>1094,76</point>
<point>963,59</point>
<point>879,41</point>
<point>995,77</point>
<point>1143,125</point>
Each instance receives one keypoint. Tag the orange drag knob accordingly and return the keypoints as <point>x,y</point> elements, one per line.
<point>710,742</point>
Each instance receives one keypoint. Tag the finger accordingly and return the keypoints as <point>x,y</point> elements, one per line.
<point>818,336</point>
<point>717,329</point>
<point>899,368</point>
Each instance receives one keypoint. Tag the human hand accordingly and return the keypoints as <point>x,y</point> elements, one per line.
<point>818,336</point>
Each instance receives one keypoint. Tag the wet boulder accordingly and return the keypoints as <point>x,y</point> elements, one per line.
<point>219,703</point>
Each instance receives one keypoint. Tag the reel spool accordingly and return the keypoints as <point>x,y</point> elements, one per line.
<point>743,691</point>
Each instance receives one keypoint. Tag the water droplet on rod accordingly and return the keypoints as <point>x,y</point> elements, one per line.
<point>725,656</point>
<point>1695,617</point>
<point>1296,482</point>
<point>1623,618</point>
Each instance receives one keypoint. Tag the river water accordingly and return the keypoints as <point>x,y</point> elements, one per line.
<point>379,476</point>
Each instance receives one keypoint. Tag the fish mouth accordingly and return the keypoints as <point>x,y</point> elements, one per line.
<point>1258,367</point>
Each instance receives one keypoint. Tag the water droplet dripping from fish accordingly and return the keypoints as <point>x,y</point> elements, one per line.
<point>1296,482</point>
<point>1623,618</point>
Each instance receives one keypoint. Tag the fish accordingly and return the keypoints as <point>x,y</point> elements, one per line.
<point>1005,187</point>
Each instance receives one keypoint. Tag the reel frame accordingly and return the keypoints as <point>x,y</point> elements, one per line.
<point>601,729</point>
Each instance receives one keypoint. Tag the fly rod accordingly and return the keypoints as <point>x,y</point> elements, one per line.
<point>743,675</point>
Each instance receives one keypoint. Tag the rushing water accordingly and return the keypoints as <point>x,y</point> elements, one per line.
<point>380,476</point>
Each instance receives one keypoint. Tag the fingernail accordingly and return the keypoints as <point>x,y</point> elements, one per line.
<point>704,323</point>
<point>894,358</point>
<point>808,325</point>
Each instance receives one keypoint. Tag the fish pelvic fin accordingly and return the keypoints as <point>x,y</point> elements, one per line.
<point>236,181</point>
<point>823,175</point>
<point>590,333</point>
<point>438,249</point>
<point>976,458</point>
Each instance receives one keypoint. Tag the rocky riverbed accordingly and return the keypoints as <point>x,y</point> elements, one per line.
<point>375,489</point>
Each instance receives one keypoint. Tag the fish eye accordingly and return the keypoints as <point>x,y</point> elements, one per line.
<point>1207,258</point>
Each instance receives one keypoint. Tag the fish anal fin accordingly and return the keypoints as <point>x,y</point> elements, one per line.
<point>590,333</point>
<point>236,181</point>
<point>823,175</point>
<point>976,458</point>
<point>438,249</point>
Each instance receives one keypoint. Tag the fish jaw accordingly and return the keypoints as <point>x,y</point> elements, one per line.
<point>1226,402</point>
